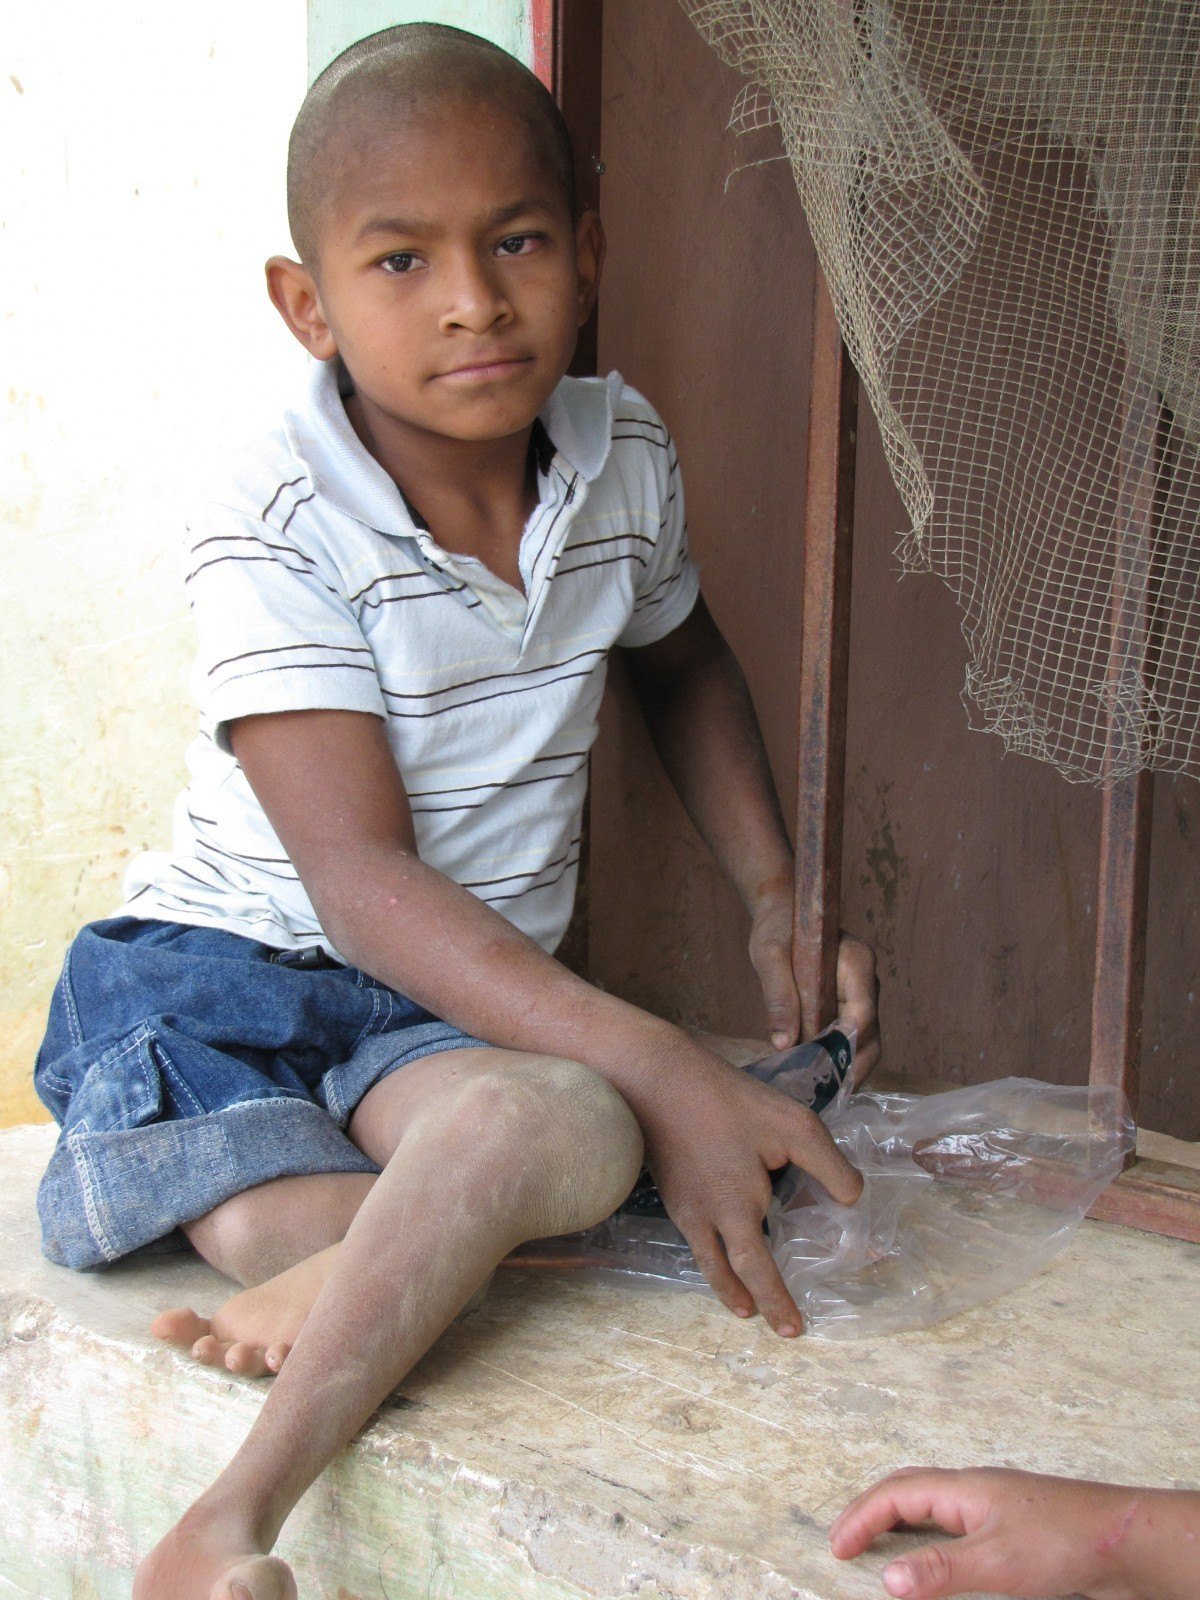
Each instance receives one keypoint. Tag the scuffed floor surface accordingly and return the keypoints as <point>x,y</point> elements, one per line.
<point>578,1437</point>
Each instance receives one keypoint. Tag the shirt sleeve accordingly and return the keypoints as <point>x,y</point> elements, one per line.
<point>276,633</point>
<point>669,583</point>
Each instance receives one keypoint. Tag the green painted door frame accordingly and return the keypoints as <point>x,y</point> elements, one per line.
<point>333,25</point>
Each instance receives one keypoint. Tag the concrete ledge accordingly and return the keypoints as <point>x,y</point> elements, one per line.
<point>578,1436</point>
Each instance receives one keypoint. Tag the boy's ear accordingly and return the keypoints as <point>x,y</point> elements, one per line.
<point>295,296</point>
<point>589,259</point>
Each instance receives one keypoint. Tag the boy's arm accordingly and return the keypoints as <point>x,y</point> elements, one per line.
<point>329,784</point>
<point>698,709</point>
<point>1023,1534</point>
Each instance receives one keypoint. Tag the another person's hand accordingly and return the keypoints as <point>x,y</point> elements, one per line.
<point>857,983</point>
<point>713,1137</point>
<point>1023,1534</point>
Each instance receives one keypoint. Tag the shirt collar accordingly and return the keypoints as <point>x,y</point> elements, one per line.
<point>578,418</point>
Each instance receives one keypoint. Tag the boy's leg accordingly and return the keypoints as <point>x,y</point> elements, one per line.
<point>494,1149</point>
<point>265,1230</point>
<point>276,1238</point>
<point>295,1222</point>
<point>264,1236</point>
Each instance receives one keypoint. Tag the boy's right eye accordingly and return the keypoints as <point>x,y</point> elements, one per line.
<point>399,262</point>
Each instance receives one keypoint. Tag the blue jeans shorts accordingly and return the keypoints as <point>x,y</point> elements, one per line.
<point>185,1064</point>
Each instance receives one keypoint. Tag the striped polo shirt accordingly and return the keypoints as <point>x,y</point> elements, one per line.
<point>314,585</point>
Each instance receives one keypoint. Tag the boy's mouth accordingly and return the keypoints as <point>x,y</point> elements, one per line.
<point>484,369</point>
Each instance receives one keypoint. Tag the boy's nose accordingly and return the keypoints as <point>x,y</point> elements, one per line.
<point>476,300</point>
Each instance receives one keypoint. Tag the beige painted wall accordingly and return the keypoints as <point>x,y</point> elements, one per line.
<point>141,178</point>
<point>142,153</point>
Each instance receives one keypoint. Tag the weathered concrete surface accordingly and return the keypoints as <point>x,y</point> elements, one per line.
<point>578,1437</point>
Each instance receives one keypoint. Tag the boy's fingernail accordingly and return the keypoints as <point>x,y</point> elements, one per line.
<point>787,1330</point>
<point>780,1041</point>
<point>898,1578</point>
<point>742,1311</point>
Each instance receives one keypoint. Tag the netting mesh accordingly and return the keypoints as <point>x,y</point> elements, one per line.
<point>1005,200</point>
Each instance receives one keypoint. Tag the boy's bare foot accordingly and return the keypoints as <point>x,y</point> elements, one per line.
<point>207,1556</point>
<point>252,1333</point>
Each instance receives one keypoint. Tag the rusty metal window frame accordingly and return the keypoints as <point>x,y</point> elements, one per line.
<point>1159,1197</point>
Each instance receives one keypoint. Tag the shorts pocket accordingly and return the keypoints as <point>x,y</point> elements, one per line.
<point>121,1089</point>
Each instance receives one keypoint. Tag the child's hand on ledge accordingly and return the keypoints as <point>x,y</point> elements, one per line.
<point>1023,1534</point>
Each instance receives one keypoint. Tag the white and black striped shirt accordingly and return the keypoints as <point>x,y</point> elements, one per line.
<point>313,586</point>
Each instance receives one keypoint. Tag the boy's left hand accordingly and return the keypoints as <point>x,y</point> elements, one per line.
<point>701,719</point>
<point>857,983</point>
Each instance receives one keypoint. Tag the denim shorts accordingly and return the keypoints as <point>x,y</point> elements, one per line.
<point>185,1064</point>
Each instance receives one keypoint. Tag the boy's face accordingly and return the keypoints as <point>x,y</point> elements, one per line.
<point>450,280</point>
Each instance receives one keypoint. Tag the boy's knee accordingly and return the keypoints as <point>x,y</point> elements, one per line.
<point>577,1142</point>
<point>590,1146</point>
<point>230,1238</point>
<point>589,1124</point>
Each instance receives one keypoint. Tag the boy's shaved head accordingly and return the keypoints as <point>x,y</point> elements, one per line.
<point>402,73</point>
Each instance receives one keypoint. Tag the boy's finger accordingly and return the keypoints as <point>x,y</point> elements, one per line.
<point>858,1002</point>
<point>750,1258</point>
<point>957,1566</point>
<point>811,1148</point>
<point>720,1276</point>
<point>913,1496</point>
<point>857,1525</point>
<point>857,976</point>
<point>772,962</point>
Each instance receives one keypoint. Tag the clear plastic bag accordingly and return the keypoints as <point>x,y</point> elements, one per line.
<point>965,1196</point>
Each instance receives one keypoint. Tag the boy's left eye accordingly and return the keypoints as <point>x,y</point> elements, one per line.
<point>399,263</point>
<point>520,244</point>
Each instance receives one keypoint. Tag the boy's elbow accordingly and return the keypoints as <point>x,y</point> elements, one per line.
<point>359,893</point>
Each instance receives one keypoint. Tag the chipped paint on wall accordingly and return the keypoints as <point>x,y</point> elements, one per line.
<point>143,174</point>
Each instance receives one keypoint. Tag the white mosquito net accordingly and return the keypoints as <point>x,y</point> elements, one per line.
<point>1005,200</point>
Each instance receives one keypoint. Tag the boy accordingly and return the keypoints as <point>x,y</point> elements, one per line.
<point>405,600</point>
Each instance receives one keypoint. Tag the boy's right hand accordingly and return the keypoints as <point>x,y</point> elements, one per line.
<point>712,1161</point>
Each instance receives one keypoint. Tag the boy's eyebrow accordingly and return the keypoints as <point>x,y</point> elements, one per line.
<point>415,225</point>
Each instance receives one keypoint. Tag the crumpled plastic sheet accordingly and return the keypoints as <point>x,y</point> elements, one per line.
<point>966,1195</point>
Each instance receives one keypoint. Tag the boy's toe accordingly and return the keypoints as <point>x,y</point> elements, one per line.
<point>276,1355</point>
<point>210,1351</point>
<point>180,1326</point>
<point>247,1360</point>
<point>259,1578</point>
